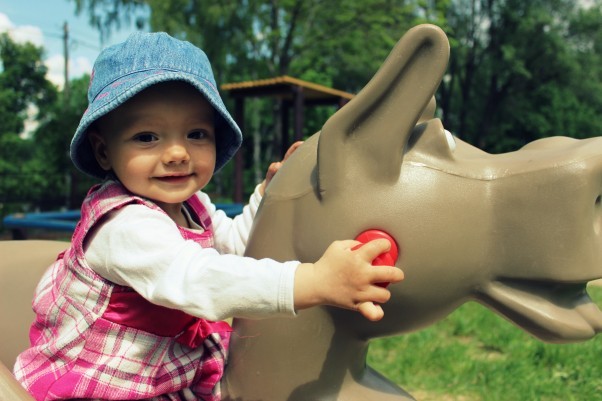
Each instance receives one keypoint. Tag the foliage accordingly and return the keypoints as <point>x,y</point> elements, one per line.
<point>520,71</point>
<point>56,172</point>
<point>22,83</point>
<point>23,89</point>
<point>35,169</point>
<point>476,355</point>
<point>259,39</point>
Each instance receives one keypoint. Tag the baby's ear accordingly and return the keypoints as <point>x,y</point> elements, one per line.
<point>99,147</point>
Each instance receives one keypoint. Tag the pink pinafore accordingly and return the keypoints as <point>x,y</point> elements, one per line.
<point>94,339</point>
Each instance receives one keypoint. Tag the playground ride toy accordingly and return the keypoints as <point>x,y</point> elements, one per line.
<point>518,232</point>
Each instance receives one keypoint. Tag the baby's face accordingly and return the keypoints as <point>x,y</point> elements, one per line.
<point>160,144</point>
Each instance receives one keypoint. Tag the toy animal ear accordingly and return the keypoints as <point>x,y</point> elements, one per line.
<point>366,138</point>
<point>429,111</point>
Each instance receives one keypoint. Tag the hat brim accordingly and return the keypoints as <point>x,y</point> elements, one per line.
<point>228,134</point>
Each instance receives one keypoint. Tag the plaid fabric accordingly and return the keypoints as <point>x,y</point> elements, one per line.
<point>76,353</point>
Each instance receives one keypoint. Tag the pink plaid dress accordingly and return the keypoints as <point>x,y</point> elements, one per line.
<point>94,339</point>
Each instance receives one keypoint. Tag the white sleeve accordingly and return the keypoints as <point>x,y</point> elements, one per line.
<point>143,249</point>
<point>231,235</point>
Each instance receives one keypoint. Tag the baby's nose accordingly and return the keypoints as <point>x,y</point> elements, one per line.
<point>176,153</point>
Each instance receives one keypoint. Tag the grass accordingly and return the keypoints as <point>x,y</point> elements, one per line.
<point>475,355</point>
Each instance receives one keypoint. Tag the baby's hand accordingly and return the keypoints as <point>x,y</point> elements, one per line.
<point>345,278</point>
<point>274,167</point>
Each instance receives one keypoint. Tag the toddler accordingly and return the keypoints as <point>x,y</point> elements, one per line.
<point>133,309</point>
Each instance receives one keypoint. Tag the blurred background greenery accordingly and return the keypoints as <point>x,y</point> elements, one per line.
<point>519,71</point>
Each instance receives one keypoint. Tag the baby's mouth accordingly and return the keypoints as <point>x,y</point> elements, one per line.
<point>174,179</point>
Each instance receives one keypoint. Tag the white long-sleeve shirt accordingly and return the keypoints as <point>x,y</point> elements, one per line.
<point>143,249</point>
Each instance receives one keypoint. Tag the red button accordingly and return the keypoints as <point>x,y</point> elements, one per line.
<point>386,258</point>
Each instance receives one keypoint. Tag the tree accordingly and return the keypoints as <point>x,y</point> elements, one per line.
<point>35,169</point>
<point>23,89</point>
<point>517,72</point>
<point>63,185</point>
<point>22,83</point>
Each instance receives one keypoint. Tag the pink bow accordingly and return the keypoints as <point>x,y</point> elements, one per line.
<point>194,335</point>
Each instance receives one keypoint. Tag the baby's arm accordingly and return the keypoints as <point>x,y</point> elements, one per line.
<point>346,278</point>
<point>142,248</point>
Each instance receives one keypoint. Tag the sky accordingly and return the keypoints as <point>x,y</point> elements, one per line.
<point>41,22</point>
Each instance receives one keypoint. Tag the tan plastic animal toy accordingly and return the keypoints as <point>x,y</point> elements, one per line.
<point>518,232</point>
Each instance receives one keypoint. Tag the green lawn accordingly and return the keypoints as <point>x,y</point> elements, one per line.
<point>475,355</point>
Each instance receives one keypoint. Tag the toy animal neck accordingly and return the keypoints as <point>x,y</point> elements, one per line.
<point>301,358</point>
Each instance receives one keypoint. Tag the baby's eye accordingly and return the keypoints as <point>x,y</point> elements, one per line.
<point>199,134</point>
<point>145,137</point>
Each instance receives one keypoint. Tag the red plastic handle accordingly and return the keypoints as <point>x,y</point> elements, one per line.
<point>384,259</point>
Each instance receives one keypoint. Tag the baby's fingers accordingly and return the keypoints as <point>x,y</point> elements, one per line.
<point>272,170</point>
<point>292,149</point>
<point>371,311</point>
<point>370,250</point>
<point>386,274</point>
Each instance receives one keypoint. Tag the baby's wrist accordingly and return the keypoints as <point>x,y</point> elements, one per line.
<point>305,292</point>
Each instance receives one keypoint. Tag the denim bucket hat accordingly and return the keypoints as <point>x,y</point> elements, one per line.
<point>144,59</point>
